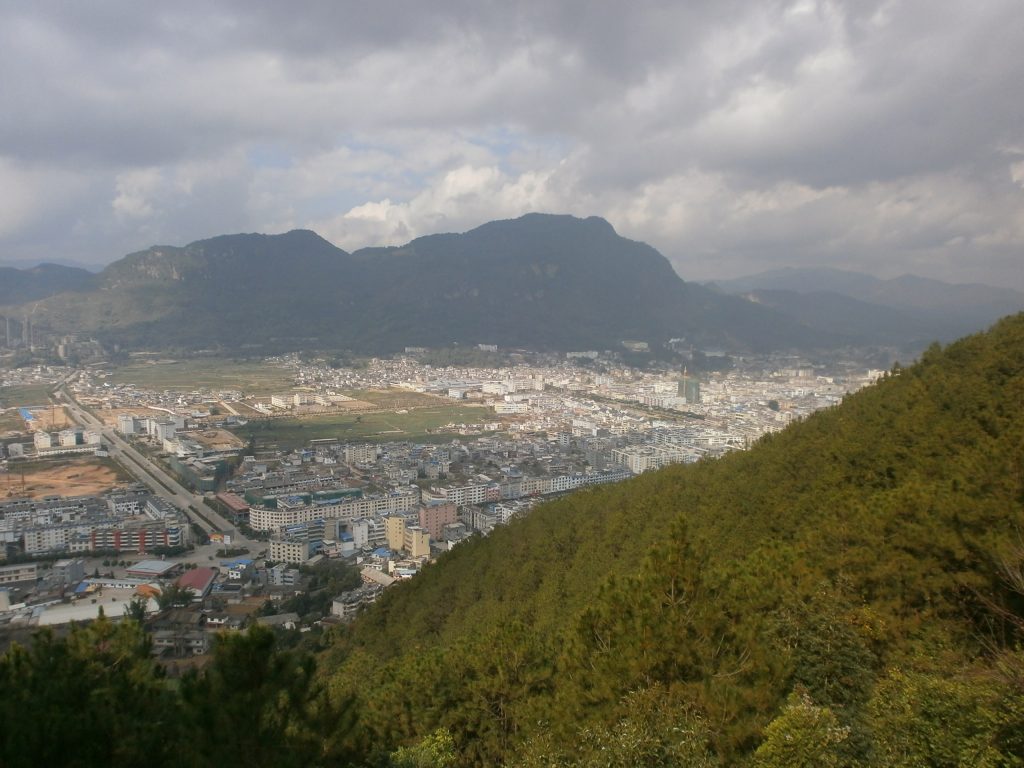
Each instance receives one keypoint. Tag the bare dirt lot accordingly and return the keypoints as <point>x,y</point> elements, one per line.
<point>216,439</point>
<point>70,477</point>
<point>50,419</point>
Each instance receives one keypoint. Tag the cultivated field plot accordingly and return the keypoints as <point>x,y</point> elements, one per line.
<point>251,377</point>
<point>24,396</point>
<point>414,425</point>
<point>61,477</point>
<point>396,398</point>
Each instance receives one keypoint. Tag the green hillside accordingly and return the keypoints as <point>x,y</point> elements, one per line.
<point>849,592</point>
<point>853,562</point>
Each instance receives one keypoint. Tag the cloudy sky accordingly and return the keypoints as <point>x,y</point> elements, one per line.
<point>733,135</point>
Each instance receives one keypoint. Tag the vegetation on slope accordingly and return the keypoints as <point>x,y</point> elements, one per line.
<point>848,566</point>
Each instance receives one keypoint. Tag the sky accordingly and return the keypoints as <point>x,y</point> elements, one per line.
<point>734,136</point>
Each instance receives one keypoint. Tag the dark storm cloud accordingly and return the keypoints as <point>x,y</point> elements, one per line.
<point>732,135</point>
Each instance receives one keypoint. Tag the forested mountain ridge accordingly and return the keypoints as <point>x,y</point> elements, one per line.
<point>848,592</point>
<point>853,563</point>
<point>540,282</point>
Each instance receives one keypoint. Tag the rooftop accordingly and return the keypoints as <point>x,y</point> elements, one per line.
<point>151,568</point>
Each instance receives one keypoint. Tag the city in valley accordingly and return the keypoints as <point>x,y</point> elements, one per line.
<point>206,494</point>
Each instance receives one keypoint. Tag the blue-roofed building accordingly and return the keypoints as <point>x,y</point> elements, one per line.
<point>237,561</point>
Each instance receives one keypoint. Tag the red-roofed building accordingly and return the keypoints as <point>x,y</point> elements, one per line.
<point>199,580</point>
<point>236,504</point>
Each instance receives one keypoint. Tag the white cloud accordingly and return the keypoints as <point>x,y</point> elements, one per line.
<point>28,194</point>
<point>134,193</point>
<point>458,199</point>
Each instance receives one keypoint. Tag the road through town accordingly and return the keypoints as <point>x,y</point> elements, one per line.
<point>151,474</point>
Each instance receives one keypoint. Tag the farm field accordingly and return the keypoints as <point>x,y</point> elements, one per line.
<point>252,377</point>
<point>26,395</point>
<point>396,398</point>
<point>61,477</point>
<point>372,427</point>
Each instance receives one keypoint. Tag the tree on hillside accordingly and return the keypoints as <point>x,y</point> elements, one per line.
<point>95,697</point>
<point>803,736</point>
<point>174,596</point>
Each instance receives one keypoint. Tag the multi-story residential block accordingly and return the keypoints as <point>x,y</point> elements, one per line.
<point>295,551</point>
<point>348,605</point>
<point>265,519</point>
<point>475,493</point>
<point>404,535</point>
<point>434,517</point>
<point>126,522</point>
<point>416,541</point>
<point>368,532</point>
<point>16,574</point>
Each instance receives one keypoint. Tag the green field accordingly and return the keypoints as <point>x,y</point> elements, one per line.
<point>251,377</point>
<point>372,427</point>
<point>29,394</point>
<point>395,398</point>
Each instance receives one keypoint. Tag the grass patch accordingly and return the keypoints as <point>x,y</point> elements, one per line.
<point>396,398</point>
<point>20,396</point>
<point>251,377</point>
<point>371,427</point>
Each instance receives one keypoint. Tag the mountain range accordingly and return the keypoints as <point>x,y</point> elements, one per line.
<point>862,308</point>
<point>18,286</point>
<point>539,281</point>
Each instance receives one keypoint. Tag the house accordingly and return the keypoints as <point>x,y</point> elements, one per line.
<point>199,580</point>
<point>180,642</point>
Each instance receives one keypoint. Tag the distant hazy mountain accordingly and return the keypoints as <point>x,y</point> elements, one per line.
<point>539,281</point>
<point>920,307</point>
<point>22,285</point>
<point>852,320</point>
<point>24,264</point>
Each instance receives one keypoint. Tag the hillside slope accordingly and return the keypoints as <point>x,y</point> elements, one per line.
<point>848,572</point>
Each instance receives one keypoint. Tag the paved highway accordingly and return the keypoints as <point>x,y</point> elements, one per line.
<point>150,473</point>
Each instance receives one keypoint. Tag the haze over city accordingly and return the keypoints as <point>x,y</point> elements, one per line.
<point>884,137</point>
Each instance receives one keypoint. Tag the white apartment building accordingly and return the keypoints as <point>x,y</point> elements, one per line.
<point>403,500</point>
